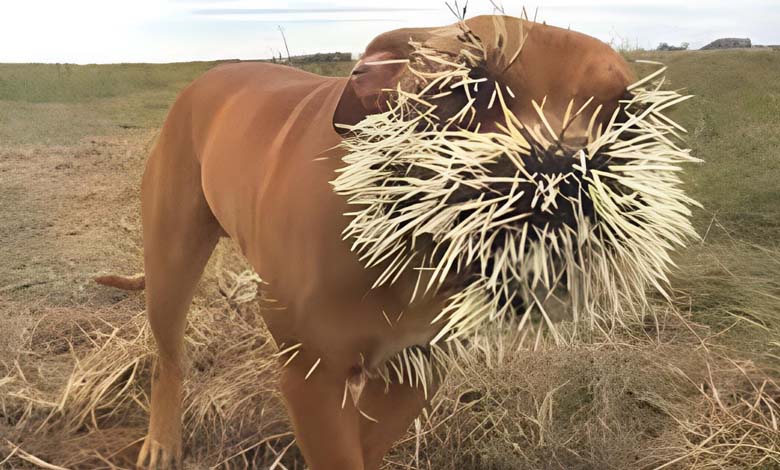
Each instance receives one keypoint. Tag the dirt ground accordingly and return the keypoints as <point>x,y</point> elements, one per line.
<point>69,213</point>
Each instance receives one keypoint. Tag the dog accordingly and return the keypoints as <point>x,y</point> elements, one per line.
<point>249,151</point>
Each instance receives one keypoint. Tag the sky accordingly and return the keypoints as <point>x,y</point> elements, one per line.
<point>106,31</point>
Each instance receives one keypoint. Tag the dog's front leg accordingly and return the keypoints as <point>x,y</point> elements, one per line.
<point>327,434</point>
<point>162,446</point>
<point>393,408</point>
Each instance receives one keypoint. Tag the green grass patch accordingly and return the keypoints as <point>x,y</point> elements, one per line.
<point>61,104</point>
<point>734,125</point>
<point>68,83</point>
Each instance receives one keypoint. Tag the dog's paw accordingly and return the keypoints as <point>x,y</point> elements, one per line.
<point>156,456</point>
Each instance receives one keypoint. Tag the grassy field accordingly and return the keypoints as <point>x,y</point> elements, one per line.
<point>696,389</point>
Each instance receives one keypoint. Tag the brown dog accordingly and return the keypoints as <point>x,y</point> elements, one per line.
<point>249,151</point>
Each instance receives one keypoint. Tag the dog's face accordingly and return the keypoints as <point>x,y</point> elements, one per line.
<point>506,158</point>
<point>515,55</point>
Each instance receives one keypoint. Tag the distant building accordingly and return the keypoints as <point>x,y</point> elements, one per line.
<point>729,43</point>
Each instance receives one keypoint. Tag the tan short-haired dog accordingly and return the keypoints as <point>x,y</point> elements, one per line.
<point>249,151</point>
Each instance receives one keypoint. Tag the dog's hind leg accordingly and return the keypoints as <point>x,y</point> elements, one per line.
<point>180,233</point>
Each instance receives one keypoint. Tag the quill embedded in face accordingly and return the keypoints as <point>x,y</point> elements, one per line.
<point>508,209</point>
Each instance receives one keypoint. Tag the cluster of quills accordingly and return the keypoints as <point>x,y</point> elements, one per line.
<point>515,216</point>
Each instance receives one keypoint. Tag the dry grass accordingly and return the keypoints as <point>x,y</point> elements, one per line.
<point>668,393</point>
<point>698,394</point>
<point>233,416</point>
<point>672,393</point>
<point>646,404</point>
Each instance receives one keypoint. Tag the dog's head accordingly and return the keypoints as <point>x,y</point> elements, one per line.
<point>507,158</point>
<point>529,62</point>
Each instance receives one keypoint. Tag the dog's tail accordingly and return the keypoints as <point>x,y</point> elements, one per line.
<point>126,283</point>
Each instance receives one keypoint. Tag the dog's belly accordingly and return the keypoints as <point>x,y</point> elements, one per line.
<point>267,160</point>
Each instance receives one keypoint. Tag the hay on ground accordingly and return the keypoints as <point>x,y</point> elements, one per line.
<point>667,393</point>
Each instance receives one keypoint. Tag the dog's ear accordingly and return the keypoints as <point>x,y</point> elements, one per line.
<point>363,93</point>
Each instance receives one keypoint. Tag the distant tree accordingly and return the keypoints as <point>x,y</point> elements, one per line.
<point>323,57</point>
<point>729,43</point>
<point>667,47</point>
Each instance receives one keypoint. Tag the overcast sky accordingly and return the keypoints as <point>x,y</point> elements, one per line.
<point>88,31</point>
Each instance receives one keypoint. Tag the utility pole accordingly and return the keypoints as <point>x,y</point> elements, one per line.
<point>289,58</point>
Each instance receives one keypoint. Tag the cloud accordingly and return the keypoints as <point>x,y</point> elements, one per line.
<point>281,11</point>
<point>326,20</point>
<point>174,30</point>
